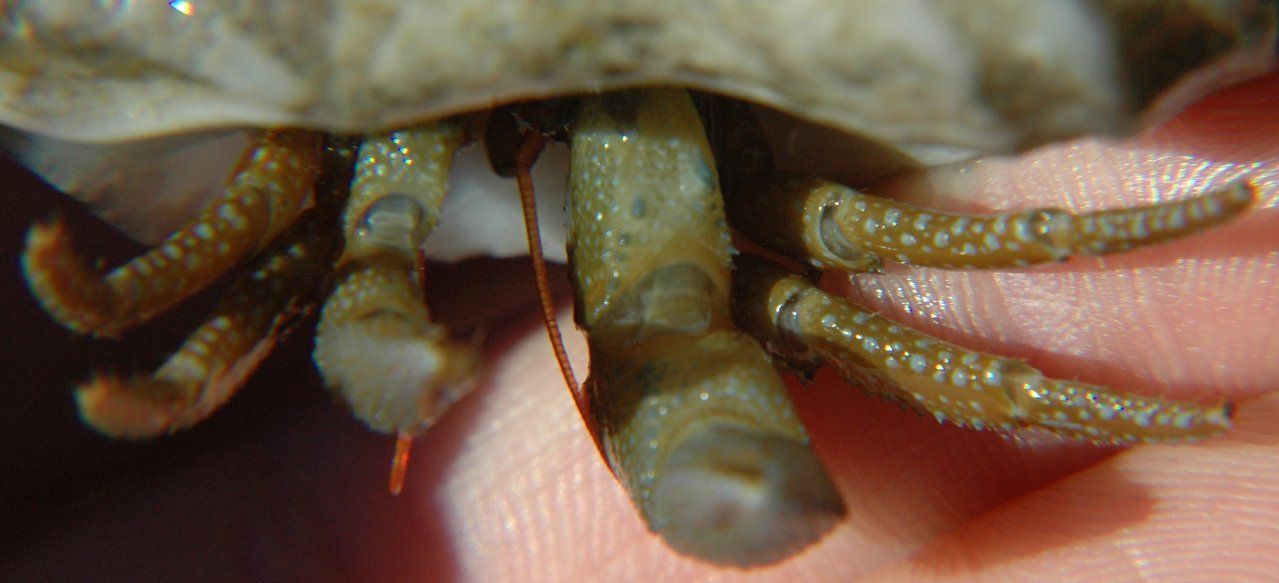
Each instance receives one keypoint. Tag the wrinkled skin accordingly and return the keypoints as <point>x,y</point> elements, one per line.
<point>508,484</point>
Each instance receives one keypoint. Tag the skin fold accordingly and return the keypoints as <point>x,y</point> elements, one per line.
<point>508,484</point>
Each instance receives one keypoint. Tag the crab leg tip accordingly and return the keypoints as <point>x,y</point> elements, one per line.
<point>1110,231</point>
<point>831,225</point>
<point>947,381</point>
<point>398,373</point>
<point>68,289</point>
<point>742,497</point>
<point>134,409</point>
<point>1090,412</point>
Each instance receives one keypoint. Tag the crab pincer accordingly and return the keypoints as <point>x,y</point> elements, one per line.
<point>696,421</point>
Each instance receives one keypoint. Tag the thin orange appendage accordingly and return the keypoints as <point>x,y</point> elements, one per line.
<point>400,461</point>
<point>419,266</point>
<point>527,154</point>
<point>404,441</point>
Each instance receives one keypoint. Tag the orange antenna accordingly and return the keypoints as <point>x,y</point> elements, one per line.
<point>404,441</point>
<point>400,461</point>
<point>530,148</point>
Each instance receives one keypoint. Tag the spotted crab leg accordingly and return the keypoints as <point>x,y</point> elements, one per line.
<point>375,343</point>
<point>952,383</point>
<point>695,421</point>
<point>271,187</point>
<point>218,357</point>
<point>832,226</point>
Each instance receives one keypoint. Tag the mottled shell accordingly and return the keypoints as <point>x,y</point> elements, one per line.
<point>935,79</point>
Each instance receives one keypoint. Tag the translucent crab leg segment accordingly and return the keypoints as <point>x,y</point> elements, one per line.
<point>947,381</point>
<point>375,344</point>
<point>219,356</point>
<point>835,227</point>
<point>270,188</point>
<point>696,423</point>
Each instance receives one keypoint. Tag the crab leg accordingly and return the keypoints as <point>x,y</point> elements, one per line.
<point>220,355</point>
<point>947,381</point>
<point>270,188</point>
<point>835,227</point>
<point>375,344</point>
<point>695,421</point>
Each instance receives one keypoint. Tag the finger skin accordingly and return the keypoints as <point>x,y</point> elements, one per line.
<point>509,485</point>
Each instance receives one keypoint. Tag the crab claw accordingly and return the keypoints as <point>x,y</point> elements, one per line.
<point>375,344</point>
<point>695,420</point>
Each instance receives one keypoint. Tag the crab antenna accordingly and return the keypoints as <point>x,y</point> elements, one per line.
<point>530,148</point>
<point>404,439</point>
<point>400,461</point>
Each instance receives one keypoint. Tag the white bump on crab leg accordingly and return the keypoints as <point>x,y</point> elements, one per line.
<point>695,421</point>
<point>258,204</point>
<point>375,344</point>
<point>219,355</point>
<point>833,226</point>
<point>976,389</point>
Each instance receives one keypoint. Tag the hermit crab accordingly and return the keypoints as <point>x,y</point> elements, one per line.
<point>793,108</point>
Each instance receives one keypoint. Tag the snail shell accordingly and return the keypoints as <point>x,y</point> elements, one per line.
<point>903,84</point>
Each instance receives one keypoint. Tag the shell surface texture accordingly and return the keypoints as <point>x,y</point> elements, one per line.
<point>813,247</point>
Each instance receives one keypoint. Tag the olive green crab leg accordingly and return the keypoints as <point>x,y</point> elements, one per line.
<point>375,343</point>
<point>832,226</point>
<point>804,324</point>
<point>694,419</point>
<point>271,187</point>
